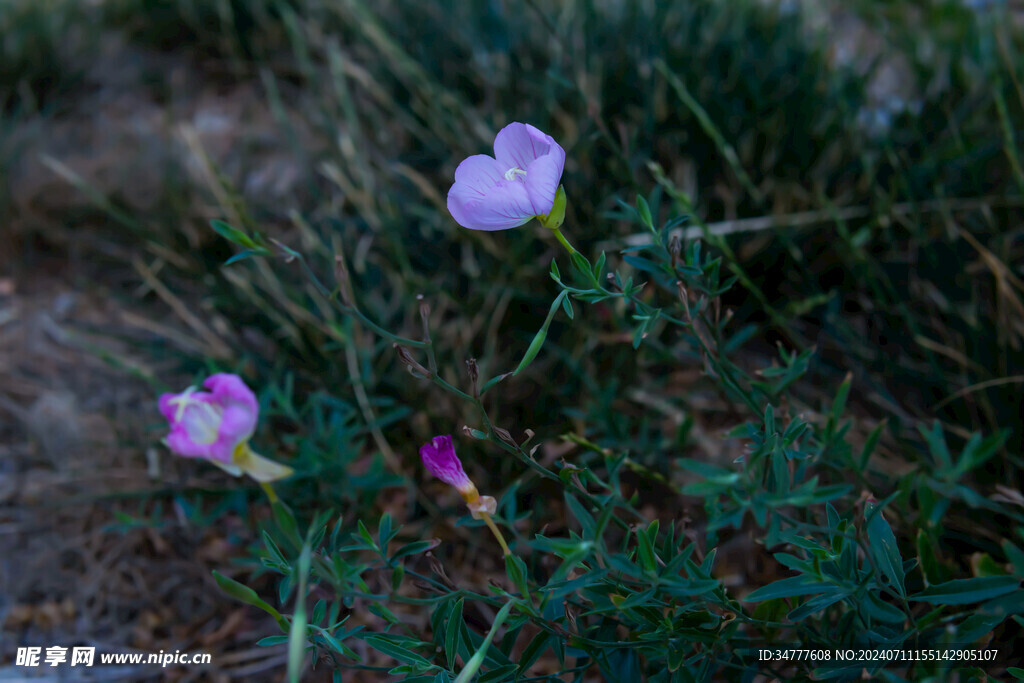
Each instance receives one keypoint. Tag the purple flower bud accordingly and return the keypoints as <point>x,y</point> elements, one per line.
<point>505,191</point>
<point>440,460</point>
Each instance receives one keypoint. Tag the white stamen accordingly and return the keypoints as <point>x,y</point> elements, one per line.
<point>202,423</point>
<point>180,402</point>
<point>511,173</point>
<point>201,420</point>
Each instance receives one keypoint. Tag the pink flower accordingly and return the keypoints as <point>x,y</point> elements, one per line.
<point>520,182</point>
<point>440,460</point>
<point>217,425</point>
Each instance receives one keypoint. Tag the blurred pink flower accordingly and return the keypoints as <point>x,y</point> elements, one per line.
<point>505,191</point>
<point>216,425</point>
<point>440,460</point>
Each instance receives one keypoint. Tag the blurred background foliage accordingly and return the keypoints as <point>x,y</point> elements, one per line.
<point>856,164</point>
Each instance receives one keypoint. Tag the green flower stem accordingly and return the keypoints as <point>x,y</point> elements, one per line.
<point>269,490</point>
<point>431,359</point>
<point>496,531</point>
<point>565,243</point>
<point>449,388</point>
<point>352,310</point>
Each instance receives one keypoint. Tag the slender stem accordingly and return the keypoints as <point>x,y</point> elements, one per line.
<point>431,359</point>
<point>496,531</point>
<point>565,243</point>
<point>449,388</point>
<point>352,310</point>
<point>269,490</point>
<point>429,343</point>
<point>392,460</point>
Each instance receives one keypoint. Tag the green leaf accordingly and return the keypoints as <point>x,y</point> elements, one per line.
<point>869,446</point>
<point>384,613</point>
<point>556,275</point>
<point>271,546</point>
<point>497,674</point>
<point>453,632</point>
<point>684,588</point>
<point>365,534</point>
<point>413,548</point>
<point>581,264</point>
<point>271,640</point>
<point>977,451</point>
<point>397,574</point>
<point>815,605</point>
<point>793,586</point>
<point>877,608</point>
<point>319,610</point>
<point>1016,557</point>
<point>297,634</point>
<point>820,494</point>
<point>474,663</point>
<point>248,253</point>
<point>567,307</point>
<point>927,555</point>
<point>641,331</point>
<point>712,473</point>
<point>247,595</point>
<point>645,551</point>
<point>966,591</point>
<point>232,234</point>
<point>581,514</point>
<point>644,211</point>
<point>384,535</point>
<point>884,550</point>
<point>976,626</point>
<point>937,445</point>
<point>516,570</point>
<point>839,405</point>
<point>338,646</point>
<point>644,265</point>
<point>533,650</point>
<point>599,266</point>
<point>389,645</point>
<point>542,333</point>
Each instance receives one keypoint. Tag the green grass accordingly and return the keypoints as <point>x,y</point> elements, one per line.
<point>890,254</point>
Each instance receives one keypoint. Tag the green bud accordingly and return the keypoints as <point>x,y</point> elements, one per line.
<point>556,216</point>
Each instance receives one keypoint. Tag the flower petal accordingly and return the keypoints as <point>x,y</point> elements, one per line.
<point>182,444</point>
<point>542,178</point>
<point>519,145</point>
<point>228,389</point>
<point>261,469</point>
<point>240,413</point>
<point>440,460</point>
<point>506,205</point>
<point>479,173</point>
<point>485,504</point>
<point>231,468</point>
